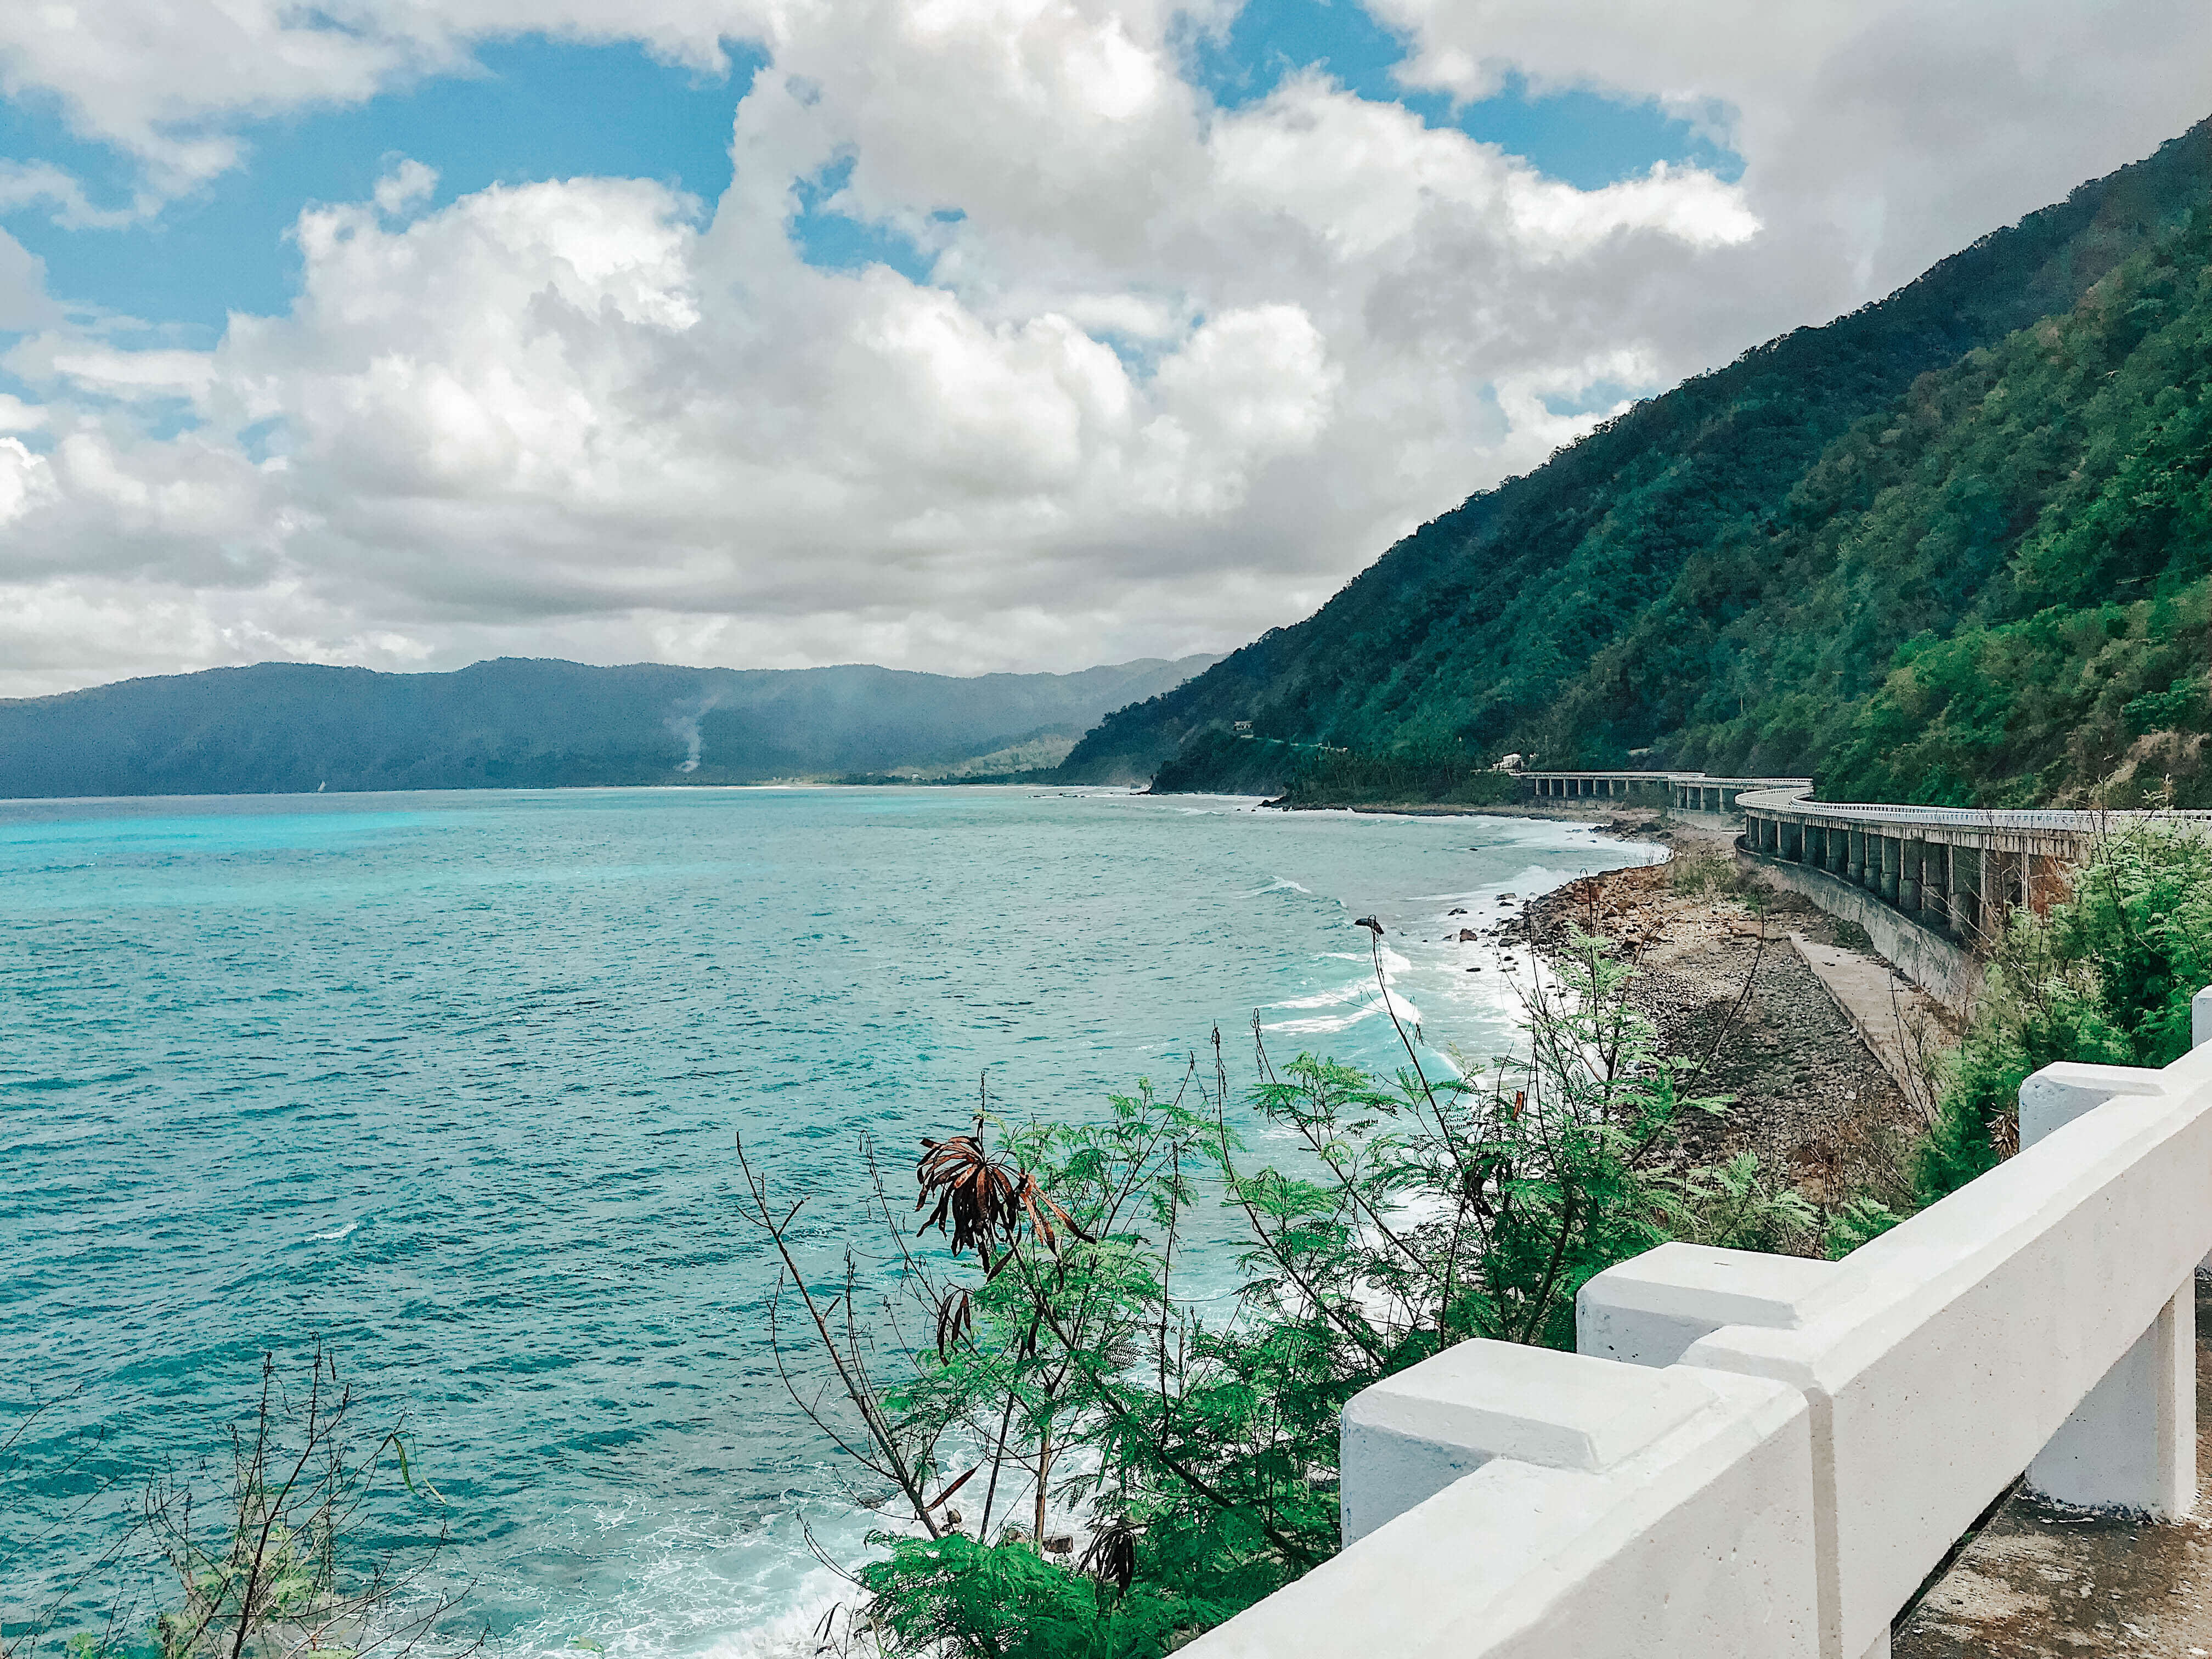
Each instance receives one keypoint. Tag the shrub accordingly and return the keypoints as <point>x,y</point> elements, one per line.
<point>2107,975</point>
<point>1061,1356</point>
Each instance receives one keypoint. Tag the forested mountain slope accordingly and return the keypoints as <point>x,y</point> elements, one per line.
<point>520,723</point>
<point>1951,547</point>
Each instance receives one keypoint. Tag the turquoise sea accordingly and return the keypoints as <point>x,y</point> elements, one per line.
<point>449,1082</point>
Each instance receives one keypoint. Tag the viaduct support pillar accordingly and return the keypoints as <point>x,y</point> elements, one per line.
<point>1965,893</point>
<point>2000,886</point>
<point>1936,885</point>
<point>1891,858</point>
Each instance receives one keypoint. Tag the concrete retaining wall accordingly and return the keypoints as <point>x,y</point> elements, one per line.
<point>1928,960</point>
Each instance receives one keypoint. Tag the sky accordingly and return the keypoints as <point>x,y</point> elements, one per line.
<point>959,335</point>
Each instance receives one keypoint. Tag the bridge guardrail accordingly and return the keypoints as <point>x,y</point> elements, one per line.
<point>1764,1457</point>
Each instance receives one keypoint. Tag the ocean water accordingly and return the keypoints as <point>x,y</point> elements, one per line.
<point>450,1081</point>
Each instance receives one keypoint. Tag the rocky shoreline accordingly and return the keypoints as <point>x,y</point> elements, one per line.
<point>1719,973</point>
<point>1731,991</point>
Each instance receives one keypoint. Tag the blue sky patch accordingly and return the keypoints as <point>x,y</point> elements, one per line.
<point>542,109</point>
<point>837,241</point>
<point>1593,399</point>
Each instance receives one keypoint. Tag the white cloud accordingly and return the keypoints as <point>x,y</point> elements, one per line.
<point>405,187</point>
<point>27,481</point>
<point>1182,371</point>
<point>24,184</point>
<point>23,301</point>
<point>1878,136</point>
<point>92,365</point>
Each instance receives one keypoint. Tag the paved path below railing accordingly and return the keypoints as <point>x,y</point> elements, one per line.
<point>1902,1026</point>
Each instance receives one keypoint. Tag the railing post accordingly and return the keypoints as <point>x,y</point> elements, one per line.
<point>2131,1444</point>
<point>1577,1505</point>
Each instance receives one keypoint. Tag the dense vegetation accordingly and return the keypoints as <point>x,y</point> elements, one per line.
<point>1309,775</point>
<point>1097,1442</point>
<point>2107,977</point>
<point>1952,547</point>
<point>513,723</point>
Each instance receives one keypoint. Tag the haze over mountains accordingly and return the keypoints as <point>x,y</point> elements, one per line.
<point>1956,547</point>
<point>278,727</point>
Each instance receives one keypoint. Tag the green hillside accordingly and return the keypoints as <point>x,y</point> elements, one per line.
<point>1951,547</point>
<point>514,723</point>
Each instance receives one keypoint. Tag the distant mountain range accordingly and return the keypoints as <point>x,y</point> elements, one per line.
<point>517,723</point>
<point>1956,547</point>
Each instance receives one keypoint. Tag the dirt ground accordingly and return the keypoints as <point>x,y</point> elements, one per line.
<point>1717,974</point>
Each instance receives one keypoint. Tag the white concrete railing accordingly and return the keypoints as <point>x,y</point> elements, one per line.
<point>2065,821</point>
<point>1766,1456</point>
<point>1691,791</point>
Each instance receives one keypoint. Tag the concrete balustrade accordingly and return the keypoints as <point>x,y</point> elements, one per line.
<point>1685,791</point>
<point>1756,1455</point>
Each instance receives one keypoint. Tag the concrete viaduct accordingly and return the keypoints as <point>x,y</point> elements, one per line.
<point>1686,792</point>
<point>1929,884</point>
